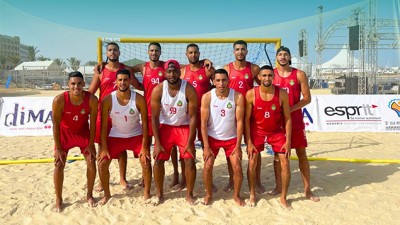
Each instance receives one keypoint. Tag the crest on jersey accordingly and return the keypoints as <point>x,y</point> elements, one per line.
<point>273,107</point>
<point>246,76</point>
<point>179,103</point>
<point>229,106</point>
<point>131,111</point>
<point>160,73</point>
<point>200,77</point>
<point>83,111</point>
<point>291,82</point>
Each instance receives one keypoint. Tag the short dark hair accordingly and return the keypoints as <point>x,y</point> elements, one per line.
<point>192,45</point>
<point>75,74</point>
<point>123,71</point>
<point>156,44</point>
<point>267,67</point>
<point>239,42</point>
<point>221,71</point>
<point>112,43</point>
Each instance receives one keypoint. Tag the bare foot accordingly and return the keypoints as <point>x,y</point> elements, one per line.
<point>157,200</point>
<point>260,189</point>
<point>285,204</point>
<point>104,200</point>
<point>146,196</point>
<point>228,187</point>
<point>312,197</point>
<point>126,186</point>
<point>190,199</point>
<point>214,189</point>
<point>175,180</point>
<point>274,192</point>
<point>207,200</point>
<point>91,202</point>
<point>239,201</point>
<point>58,206</point>
<point>98,188</point>
<point>179,187</point>
<point>252,201</point>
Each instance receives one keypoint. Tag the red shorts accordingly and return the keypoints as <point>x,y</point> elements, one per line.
<point>174,136</point>
<point>299,139</point>
<point>150,127</point>
<point>70,140</point>
<point>97,138</point>
<point>117,145</point>
<point>275,140</point>
<point>228,145</point>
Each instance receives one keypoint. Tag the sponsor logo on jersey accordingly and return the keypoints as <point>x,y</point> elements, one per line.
<point>291,82</point>
<point>179,103</point>
<point>246,76</point>
<point>200,77</point>
<point>273,107</point>
<point>229,106</point>
<point>131,111</point>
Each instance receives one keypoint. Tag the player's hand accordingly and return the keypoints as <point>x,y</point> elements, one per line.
<point>91,150</point>
<point>288,151</point>
<point>104,154</point>
<point>237,152</point>
<point>157,150</point>
<point>145,155</point>
<point>251,150</point>
<point>207,64</point>
<point>191,150</point>
<point>207,154</point>
<point>59,157</point>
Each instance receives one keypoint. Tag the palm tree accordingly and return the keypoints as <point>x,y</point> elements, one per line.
<point>14,60</point>
<point>3,61</point>
<point>32,52</point>
<point>74,63</point>
<point>90,63</point>
<point>42,58</point>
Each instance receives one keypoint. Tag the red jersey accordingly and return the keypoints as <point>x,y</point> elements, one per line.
<point>267,116</point>
<point>241,80</point>
<point>107,83</point>
<point>199,80</point>
<point>75,118</point>
<point>151,78</point>
<point>292,86</point>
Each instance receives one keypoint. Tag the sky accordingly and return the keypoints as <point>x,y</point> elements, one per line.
<point>64,29</point>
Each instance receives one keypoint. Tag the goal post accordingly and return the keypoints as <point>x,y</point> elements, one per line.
<point>218,50</point>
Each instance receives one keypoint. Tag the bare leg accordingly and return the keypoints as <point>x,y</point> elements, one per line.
<point>58,183</point>
<point>91,176</point>
<point>98,187</point>
<point>229,186</point>
<point>285,174</point>
<point>237,179</point>
<point>305,173</point>
<point>208,180</point>
<point>104,175</point>
<point>146,174</point>
<point>259,187</point>
<point>278,180</point>
<point>182,184</point>
<point>123,161</point>
<point>174,159</point>
<point>159,173</point>
<point>251,174</point>
<point>190,173</point>
<point>141,183</point>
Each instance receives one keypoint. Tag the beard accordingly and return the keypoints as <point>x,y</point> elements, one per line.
<point>123,90</point>
<point>283,64</point>
<point>267,84</point>
<point>113,60</point>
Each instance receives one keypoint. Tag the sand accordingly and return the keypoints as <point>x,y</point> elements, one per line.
<point>351,193</point>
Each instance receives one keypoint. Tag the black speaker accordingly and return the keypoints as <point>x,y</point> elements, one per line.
<point>301,49</point>
<point>354,37</point>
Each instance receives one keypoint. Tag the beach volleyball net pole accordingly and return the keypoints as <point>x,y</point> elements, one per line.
<point>218,50</point>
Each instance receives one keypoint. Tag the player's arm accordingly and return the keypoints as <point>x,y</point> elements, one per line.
<point>209,71</point>
<point>204,116</point>
<point>142,107</point>
<point>155,104</point>
<point>57,108</point>
<point>191,97</point>
<point>284,98</point>
<point>138,68</point>
<point>239,101</point>
<point>255,70</point>
<point>93,102</point>
<point>106,105</point>
<point>305,91</point>
<point>95,83</point>
<point>247,116</point>
<point>134,81</point>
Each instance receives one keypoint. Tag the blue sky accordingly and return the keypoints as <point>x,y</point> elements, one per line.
<point>63,29</point>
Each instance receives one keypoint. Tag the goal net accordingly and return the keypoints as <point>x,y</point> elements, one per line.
<point>261,51</point>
